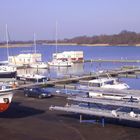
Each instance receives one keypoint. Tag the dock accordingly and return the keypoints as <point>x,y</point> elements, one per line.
<point>113,60</point>
<point>74,78</point>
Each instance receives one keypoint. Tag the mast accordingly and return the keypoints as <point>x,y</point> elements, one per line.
<point>7,41</point>
<point>35,43</point>
<point>56,38</point>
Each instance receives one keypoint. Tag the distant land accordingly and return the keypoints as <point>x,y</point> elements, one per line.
<point>124,38</point>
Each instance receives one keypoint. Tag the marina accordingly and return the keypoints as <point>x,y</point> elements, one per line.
<point>31,79</point>
<point>70,101</point>
<point>70,70</point>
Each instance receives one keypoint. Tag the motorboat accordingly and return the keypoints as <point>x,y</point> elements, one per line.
<point>6,96</point>
<point>60,63</point>
<point>107,83</point>
<point>112,83</point>
<point>32,77</point>
<point>39,65</point>
<point>7,71</point>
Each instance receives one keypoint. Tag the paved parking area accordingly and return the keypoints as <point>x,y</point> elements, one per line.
<point>30,119</point>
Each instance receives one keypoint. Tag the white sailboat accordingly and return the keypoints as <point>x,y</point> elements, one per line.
<point>59,63</point>
<point>38,64</point>
<point>7,71</point>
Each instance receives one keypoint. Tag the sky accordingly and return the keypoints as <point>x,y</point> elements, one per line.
<point>74,18</point>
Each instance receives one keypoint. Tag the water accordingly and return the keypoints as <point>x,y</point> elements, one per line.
<point>113,52</point>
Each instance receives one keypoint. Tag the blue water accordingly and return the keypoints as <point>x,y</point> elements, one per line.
<point>113,52</point>
<point>110,52</point>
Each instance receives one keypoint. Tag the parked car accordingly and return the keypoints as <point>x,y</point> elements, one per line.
<point>37,92</point>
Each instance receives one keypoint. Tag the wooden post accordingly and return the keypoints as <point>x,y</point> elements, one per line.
<point>103,121</point>
<point>80,118</point>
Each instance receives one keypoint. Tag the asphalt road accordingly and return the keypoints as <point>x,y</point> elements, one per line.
<point>30,119</point>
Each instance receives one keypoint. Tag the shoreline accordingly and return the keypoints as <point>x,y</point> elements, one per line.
<point>69,44</point>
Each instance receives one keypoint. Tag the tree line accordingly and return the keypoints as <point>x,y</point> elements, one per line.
<point>124,37</point>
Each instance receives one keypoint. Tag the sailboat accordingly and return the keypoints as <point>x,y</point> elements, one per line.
<point>38,64</point>
<point>7,71</point>
<point>59,63</point>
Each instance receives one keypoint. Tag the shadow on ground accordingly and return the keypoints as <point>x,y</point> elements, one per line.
<point>98,120</point>
<point>16,110</point>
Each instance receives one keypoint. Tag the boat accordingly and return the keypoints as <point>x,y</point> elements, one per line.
<point>32,77</point>
<point>7,71</point>
<point>6,96</point>
<point>112,83</point>
<point>73,56</point>
<point>107,83</point>
<point>39,65</point>
<point>24,60</point>
<point>60,63</point>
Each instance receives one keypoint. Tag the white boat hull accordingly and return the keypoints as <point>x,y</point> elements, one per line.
<point>60,63</point>
<point>5,100</point>
<point>39,66</point>
<point>6,96</point>
<point>32,77</point>
<point>8,71</point>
